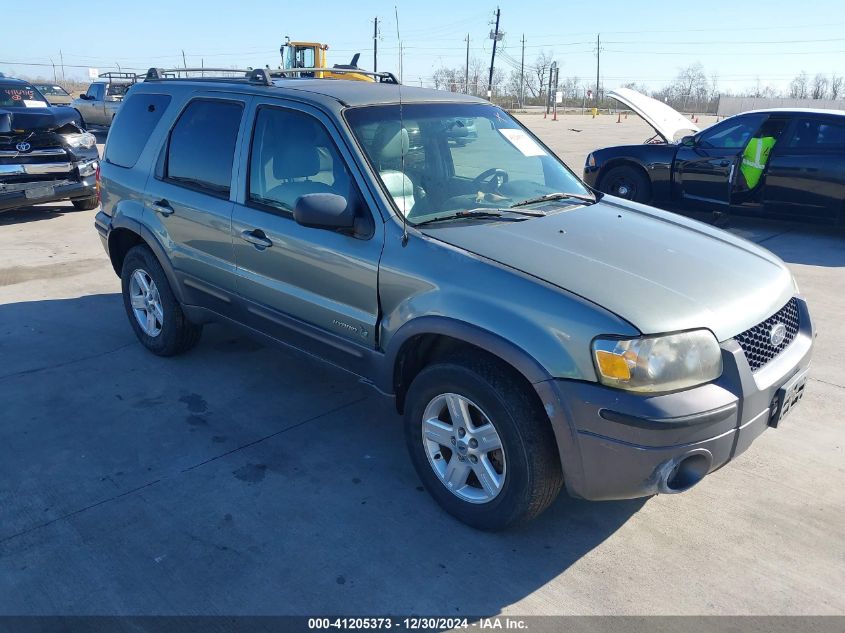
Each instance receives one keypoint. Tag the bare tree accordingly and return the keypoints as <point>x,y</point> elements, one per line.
<point>835,86</point>
<point>770,92</point>
<point>570,87</point>
<point>541,71</point>
<point>819,87</point>
<point>798,86</point>
<point>446,79</point>
<point>691,83</point>
<point>633,85</point>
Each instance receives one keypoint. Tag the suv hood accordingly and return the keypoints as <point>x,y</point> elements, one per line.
<point>659,271</point>
<point>17,120</point>
<point>666,121</point>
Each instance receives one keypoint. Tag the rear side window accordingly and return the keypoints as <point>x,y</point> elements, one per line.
<point>202,146</point>
<point>139,115</point>
<point>818,134</point>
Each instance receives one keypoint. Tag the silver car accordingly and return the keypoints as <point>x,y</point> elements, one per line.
<point>533,332</point>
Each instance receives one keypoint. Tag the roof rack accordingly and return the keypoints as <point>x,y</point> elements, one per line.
<point>257,76</point>
<point>119,75</point>
<point>382,77</point>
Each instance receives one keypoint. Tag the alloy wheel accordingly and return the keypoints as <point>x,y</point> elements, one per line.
<point>146,302</point>
<point>463,448</point>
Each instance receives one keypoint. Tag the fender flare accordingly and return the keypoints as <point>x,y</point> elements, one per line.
<point>497,345</point>
<point>149,238</point>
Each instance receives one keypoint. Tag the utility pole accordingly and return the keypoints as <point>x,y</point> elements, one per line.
<point>375,45</point>
<point>62,61</point>
<point>495,37</point>
<point>466,70</point>
<point>55,77</point>
<point>522,75</point>
<point>598,66</point>
<point>184,62</point>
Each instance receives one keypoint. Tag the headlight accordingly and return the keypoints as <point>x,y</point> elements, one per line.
<point>83,140</point>
<point>591,160</point>
<point>658,363</point>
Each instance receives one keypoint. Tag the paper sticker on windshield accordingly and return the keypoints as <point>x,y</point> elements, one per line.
<point>521,141</point>
<point>32,104</point>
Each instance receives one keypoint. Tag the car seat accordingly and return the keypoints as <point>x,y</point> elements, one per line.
<point>390,142</point>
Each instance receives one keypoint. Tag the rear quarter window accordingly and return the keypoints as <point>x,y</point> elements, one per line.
<point>137,118</point>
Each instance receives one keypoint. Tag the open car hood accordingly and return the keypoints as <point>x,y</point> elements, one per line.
<point>666,121</point>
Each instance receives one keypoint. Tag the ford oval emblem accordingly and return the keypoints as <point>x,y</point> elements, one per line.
<point>23,147</point>
<point>777,335</point>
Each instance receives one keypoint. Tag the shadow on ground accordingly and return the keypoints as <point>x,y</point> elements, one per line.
<point>236,479</point>
<point>35,213</point>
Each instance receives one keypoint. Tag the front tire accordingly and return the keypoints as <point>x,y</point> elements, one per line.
<point>628,182</point>
<point>481,443</point>
<point>152,308</point>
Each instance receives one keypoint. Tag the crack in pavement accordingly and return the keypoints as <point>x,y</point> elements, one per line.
<point>184,470</point>
<point>832,384</point>
<point>35,370</point>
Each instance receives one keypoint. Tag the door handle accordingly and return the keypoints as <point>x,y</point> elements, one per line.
<point>162,207</point>
<point>257,238</point>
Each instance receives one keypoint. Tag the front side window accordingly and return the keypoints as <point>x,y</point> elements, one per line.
<point>731,134</point>
<point>96,91</point>
<point>293,155</point>
<point>446,158</point>
<point>202,145</point>
<point>20,96</point>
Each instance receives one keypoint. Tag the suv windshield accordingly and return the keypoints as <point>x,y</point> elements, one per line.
<point>450,157</point>
<point>20,96</point>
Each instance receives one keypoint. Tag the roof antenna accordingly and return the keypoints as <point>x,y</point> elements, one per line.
<point>401,139</point>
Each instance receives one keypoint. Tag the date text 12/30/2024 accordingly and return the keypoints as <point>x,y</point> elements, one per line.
<point>417,623</point>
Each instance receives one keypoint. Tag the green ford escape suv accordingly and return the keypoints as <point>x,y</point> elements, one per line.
<point>533,332</point>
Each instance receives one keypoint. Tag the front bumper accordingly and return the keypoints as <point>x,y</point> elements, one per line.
<point>616,444</point>
<point>51,182</point>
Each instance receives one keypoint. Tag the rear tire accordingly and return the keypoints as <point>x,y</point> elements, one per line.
<point>526,473</point>
<point>627,182</point>
<point>152,308</point>
<point>86,204</point>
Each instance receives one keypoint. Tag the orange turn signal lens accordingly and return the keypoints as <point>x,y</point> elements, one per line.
<point>612,365</point>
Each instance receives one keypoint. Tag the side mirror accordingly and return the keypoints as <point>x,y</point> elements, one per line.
<point>84,96</point>
<point>688,141</point>
<point>324,211</point>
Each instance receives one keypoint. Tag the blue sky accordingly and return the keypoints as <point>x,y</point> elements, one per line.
<point>642,42</point>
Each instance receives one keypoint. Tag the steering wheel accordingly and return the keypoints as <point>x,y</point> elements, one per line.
<point>490,180</point>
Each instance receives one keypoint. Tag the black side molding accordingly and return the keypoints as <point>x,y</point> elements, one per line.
<point>705,417</point>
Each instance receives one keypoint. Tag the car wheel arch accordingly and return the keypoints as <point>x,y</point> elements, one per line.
<point>127,233</point>
<point>620,162</point>
<point>425,340</point>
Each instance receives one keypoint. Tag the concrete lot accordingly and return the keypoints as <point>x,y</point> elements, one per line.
<point>239,479</point>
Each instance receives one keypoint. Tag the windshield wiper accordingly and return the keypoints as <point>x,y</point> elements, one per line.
<point>479,213</point>
<point>555,196</point>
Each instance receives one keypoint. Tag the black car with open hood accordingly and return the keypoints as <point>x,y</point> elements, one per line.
<point>45,153</point>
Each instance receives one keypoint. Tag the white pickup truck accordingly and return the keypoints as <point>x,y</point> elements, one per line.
<point>102,100</point>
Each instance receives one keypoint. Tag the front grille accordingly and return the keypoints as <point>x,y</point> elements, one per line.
<point>756,342</point>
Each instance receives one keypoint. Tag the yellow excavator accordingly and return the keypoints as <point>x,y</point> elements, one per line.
<point>312,55</point>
